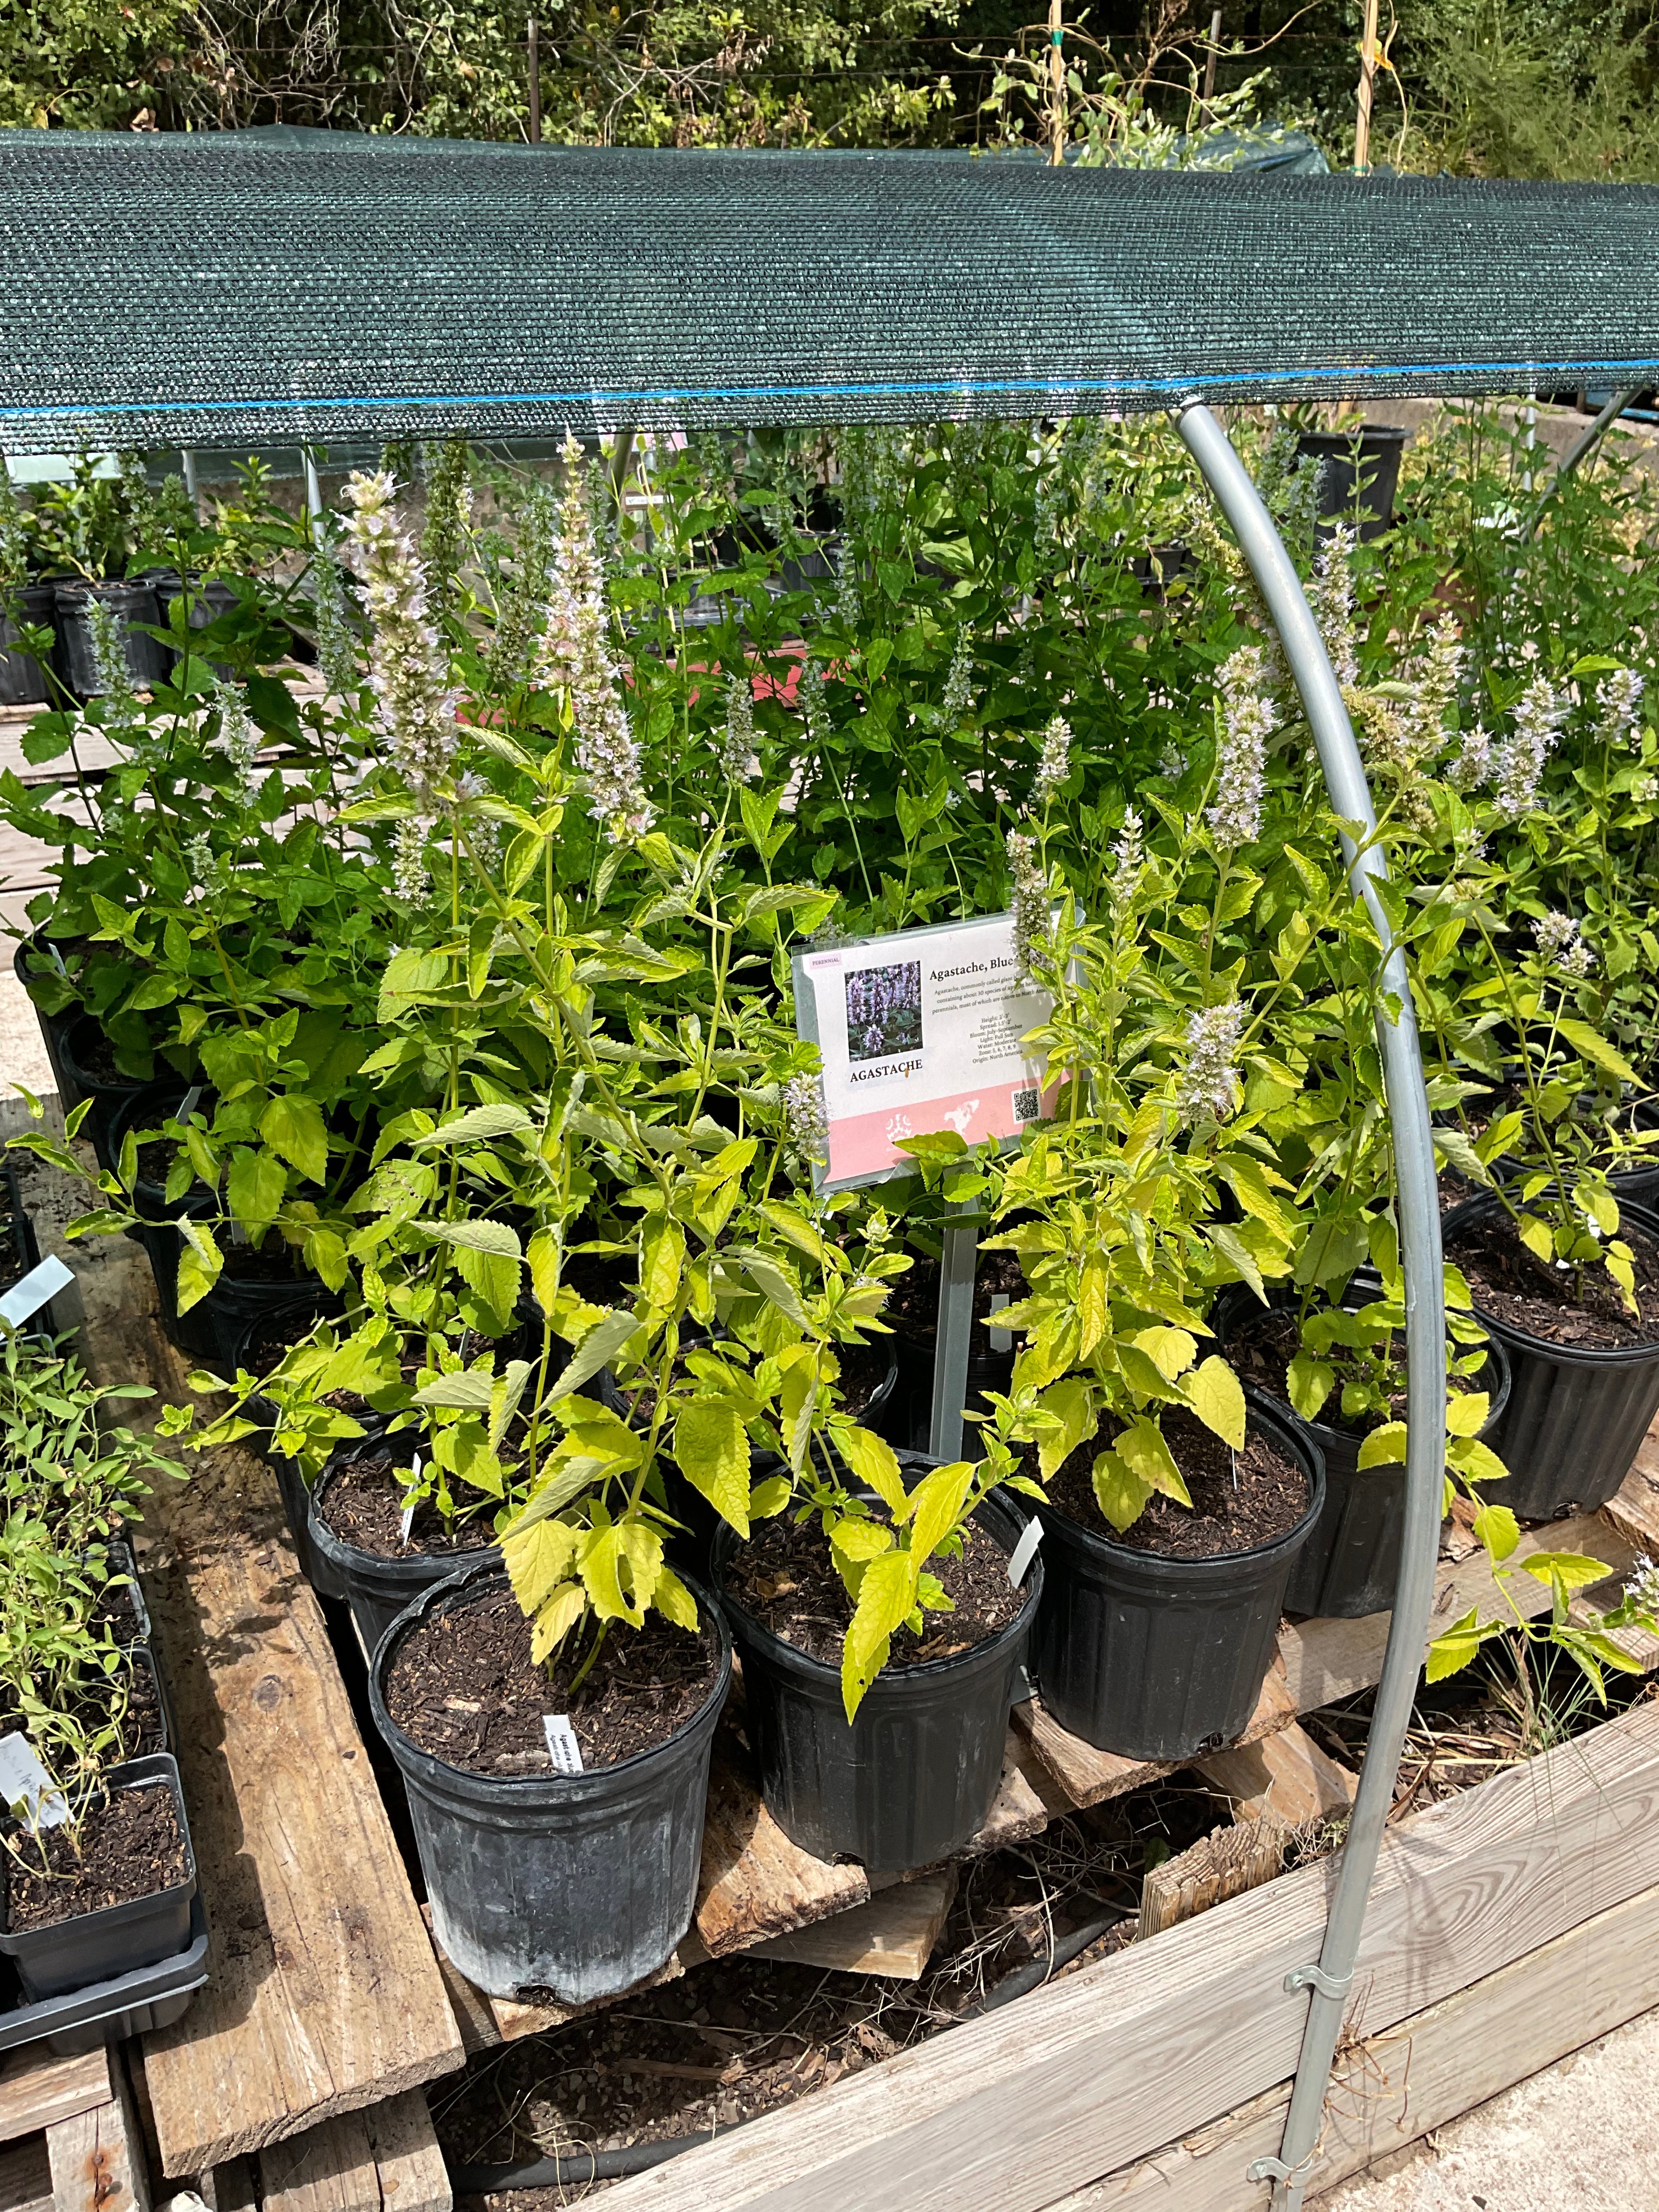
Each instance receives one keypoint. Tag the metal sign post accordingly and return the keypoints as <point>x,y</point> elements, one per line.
<point>956,1325</point>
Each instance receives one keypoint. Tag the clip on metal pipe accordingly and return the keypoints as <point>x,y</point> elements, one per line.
<point>1425,1330</point>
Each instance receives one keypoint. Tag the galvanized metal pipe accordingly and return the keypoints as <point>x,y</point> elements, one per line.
<point>1426,1327</point>
<point>1586,442</point>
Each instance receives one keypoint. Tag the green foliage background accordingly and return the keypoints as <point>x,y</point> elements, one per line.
<point>1511,87</point>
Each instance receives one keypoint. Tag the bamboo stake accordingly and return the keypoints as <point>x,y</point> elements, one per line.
<point>1362,129</point>
<point>1209,65</point>
<point>535,86</point>
<point>1056,87</point>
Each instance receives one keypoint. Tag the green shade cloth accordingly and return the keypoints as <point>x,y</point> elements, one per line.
<point>250,289</point>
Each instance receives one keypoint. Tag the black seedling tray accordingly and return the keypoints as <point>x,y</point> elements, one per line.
<point>109,2012</point>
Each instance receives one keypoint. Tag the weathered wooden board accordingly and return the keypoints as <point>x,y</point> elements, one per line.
<point>383,2159</point>
<point>25,2175</point>
<point>894,1935</point>
<point>324,1995</point>
<point>97,2158</point>
<point>1286,1776</point>
<point>1101,2068</point>
<point>755,1883</point>
<point>1387,2090</point>
<point>1326,1660</point>
<point>1088,1775</point>
<point>1221,1865</point>
<point>37,2089</point>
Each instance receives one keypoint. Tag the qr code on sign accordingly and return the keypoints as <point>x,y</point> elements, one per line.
<point>1028,1105</point>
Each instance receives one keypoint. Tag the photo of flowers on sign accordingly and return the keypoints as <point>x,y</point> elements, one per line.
<point>919,1031</point>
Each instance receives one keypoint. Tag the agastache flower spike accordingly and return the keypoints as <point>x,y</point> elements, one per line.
<point>1333,601</point>
<point>574,654</point>
<point>336,643</point>
<point>737,750</point>
<point>1028,899</point>
<point>959,680</point>
<point>238,739</point>
<point>415,707</point>
<point>1130,854</point>
<point>1539,714</point>
<point>109,662</point>
<point>1055,763</point>
<point>1209,1080</point>
<point>1249,718</point>
<point>1619,698</point>
<point>806,1126</point>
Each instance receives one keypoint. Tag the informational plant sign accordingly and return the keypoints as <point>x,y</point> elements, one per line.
<point>919,1032</point>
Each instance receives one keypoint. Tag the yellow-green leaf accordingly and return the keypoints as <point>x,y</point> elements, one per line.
<point>1214,1392</point>
<point>563,1609</point>
<point>887,1594</point>
<point>1497,1528</point>
<point>1172,1351</point>
<point>1575,1569</point>
<point>1142,1449</point>
<point>1385,1446</point>
<point>674,1601</point>
<point>936,1507</point>
<point>1119,1491</point>
<point>873,1461</point>
<point>1467,1412</point>
<point>1071,1403</point>
<point>536,1560</point>
<point>711,1449</point>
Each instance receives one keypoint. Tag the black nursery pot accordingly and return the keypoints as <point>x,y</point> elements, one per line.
<point>916,1774</point>
<point>1376,478</point>
<point>1350,1564</point>
<point>1576,1417</point>
<point>1155,1657</point>
<point>376,1588</point>
<point>146,657</point>
<point>110,1094</point>
<point>30,963</point>
<point>97,1947</point>
<point>582,1884</point>
<point>23,681</point>
<point>208,599</point>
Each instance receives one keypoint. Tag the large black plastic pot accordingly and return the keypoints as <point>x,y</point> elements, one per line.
<point>1376,478</point>
<point>1640,1186</point>
<point>1155,1657</point>
<point>915,1774</point>
<point>582,1884</point>
<point>146,657</point>
<point>378,1589</point>
<point>97,1947</point>
<point>30,962</point>
<point>1576,1417</point>
<point>110,1094</point>
<point>1350,1564</point>
<point>208,601</point>
<point>23,681</point>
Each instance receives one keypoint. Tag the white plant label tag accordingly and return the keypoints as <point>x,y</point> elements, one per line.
<point>25,1782</point>
<point>409,1510</point>
<point>1024,1552</point>
<point>189,1103</point>
<point>1002,1339</point>
<point>562,1747</point>
<point>25,1299</point>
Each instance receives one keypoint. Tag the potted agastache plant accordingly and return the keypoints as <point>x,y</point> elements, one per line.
<point>1561,1272</point>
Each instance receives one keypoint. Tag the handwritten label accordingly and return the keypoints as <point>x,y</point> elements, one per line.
<point>1002,1339</point>
<point>25,1299</point>
<point>25,1784</point>
<point>562,1747</point>
<point>1024,1552</point>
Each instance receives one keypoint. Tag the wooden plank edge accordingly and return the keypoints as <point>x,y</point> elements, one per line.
<point>97,2157</point>
<point>1158,2040</point>
<point>1391,2089</point>
<point>37,2089</point>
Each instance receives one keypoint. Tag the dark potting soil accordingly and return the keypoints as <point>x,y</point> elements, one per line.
<point>1512,1284</point>
<point>130,1847</point>
<point>132,1690</point>
<point>464,1687</point>
<point>273,1261</point>
<point>117,1611</point>
<point>363,1504</point>
<point>1261,1352</point>
<point>94,1055</point>
<point>912,1307</point>
<point>1238,1503</point>
<point>786,1579</point>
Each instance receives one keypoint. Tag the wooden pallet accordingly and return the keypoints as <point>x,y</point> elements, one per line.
<point>327,2003</point>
